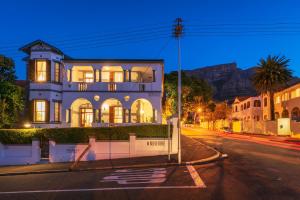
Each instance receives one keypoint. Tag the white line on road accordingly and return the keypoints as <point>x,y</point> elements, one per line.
<point>100,189</point>
<point>195,176</point>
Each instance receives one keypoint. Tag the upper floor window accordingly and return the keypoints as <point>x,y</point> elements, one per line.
<point>57,72</point>
<point>277,99</point>
<point>39,110</point>
<point>41,70</point>
<point>265,102</point>
<point>248,104</point>
<point>257,103</point>
<point>108,76</point>
<point>88,77</point>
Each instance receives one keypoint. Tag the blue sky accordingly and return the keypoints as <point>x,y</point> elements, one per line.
<point>217,31</point>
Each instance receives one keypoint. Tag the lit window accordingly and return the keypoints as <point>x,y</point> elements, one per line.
<point>118,77</point>
<point>105,76</point>
<point>277,99</point>
<point>41,70</point>
<point>57,72</point>
<point>298,92</point>
<point>88,77</point>
<point>69,75</point>
<point>57,111</point>
<point>40,111</point>
<point>135,77</point>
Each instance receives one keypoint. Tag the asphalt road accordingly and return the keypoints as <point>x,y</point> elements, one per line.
<point>252,171</point>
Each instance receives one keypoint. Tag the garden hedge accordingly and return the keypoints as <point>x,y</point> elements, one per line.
<point>81,135</point>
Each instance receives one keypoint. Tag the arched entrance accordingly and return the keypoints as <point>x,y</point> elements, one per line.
<point>141,111</point>
<point>81,113</point>
<point>111,111</point>
<point>296,114</point>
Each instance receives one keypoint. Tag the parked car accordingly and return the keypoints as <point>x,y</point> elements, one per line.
<point>226,130</point>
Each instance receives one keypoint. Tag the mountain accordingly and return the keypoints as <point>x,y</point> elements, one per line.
<point>227,80</point>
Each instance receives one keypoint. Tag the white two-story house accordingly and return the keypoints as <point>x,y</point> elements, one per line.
<point>68,92</point>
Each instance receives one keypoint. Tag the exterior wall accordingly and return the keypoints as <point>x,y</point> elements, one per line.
<point>20,154</point>
<point>67,92</point>
<point>249,118</point>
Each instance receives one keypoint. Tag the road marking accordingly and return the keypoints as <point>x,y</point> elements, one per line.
<point>195,176</point>
<point>101,189</point>
<point>138,176</point>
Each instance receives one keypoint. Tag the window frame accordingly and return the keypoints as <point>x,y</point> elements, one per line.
<point>57,113</point>
<point>57,77</point>
<point>37,71</point>
<point>43,112</point>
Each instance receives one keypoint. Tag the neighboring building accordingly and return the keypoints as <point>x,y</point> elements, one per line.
<point>247,114</point>
<point>287,103</point>
<point>67,92</point>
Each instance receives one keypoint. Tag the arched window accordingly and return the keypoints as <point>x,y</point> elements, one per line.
<point>257,103</point>
<point>296,114</point>
<point>285,114</point>
<point>81,113</point>
<point>111,111</point>
<point>142,112</point>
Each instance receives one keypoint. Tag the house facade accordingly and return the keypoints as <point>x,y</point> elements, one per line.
<point>247,114</point>
<point>68,92</point>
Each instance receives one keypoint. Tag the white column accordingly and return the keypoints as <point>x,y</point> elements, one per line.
<point>52,151</point>
<point>174,122</point>
<point>35,151</point>
<point>132,139</point>
<point>92,151</point>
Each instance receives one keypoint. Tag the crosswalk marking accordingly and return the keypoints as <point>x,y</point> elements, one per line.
<point>195,176</point>
<point>137,176</point>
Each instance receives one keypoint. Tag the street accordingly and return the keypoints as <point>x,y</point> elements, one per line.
<point>251,171</point>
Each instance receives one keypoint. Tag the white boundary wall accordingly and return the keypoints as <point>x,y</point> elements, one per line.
<point>100,150</point>
<point>20,154</point>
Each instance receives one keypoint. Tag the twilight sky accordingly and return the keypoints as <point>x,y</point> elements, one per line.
<point>216,31</point>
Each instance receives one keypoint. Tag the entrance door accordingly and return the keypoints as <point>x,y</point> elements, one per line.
<point>86,117</point>
<point>115,114</point>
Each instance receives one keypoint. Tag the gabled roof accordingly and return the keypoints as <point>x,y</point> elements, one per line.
<point>26,48</point>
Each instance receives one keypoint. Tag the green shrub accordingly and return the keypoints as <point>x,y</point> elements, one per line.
<point>81,135</point>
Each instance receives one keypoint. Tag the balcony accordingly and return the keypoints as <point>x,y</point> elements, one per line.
<point>112,87</point>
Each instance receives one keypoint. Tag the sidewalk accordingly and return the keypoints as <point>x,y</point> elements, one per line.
<point>193,152</point>
<point>274,138</point>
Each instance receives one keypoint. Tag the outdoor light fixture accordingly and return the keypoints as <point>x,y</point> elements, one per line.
<point>126,98</point>
<point>27,125</point>
<point>96,98</point>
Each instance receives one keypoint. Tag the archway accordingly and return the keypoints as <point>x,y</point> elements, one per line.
<point>141,111</point>
<point>296,114</point>
<point>285,114</point>
<point>81,113</point>
<point>111,111</point>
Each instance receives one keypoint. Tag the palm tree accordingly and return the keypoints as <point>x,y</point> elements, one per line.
<point>271,74</point>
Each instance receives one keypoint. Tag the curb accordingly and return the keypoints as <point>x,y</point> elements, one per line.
<point>217,156</point>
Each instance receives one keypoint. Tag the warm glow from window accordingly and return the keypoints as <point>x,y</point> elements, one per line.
<point>118,77</point>
<point>277,100</point>
<point>41,70</point>
<point>88,77</point>
<point>40,111</point>
<point>105,76</point>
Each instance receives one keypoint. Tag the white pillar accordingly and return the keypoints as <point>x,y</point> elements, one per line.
<point>52,151</point>
<point>92,151</point>
<point>174,122</point>
<point>132,139</point>
<point>35,151</point>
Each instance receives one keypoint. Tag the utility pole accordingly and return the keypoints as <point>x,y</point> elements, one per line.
<point>178,31</point>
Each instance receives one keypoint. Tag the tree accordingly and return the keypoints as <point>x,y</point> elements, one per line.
<point>195,92</point>
<point>11,95</point>
<point>271,74</point>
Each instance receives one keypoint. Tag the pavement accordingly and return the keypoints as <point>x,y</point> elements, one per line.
<point>193,152</point>
<point>252,170</point>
